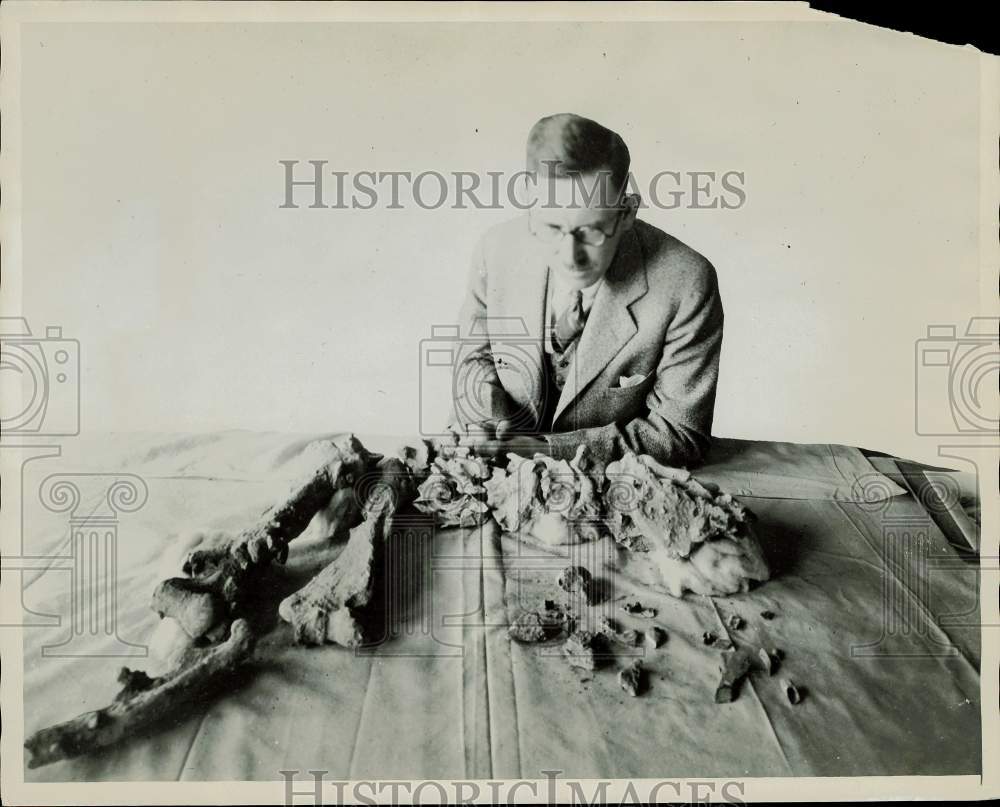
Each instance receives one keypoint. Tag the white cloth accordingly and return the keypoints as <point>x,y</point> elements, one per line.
<point>560,296</point>
<point>458,699</point>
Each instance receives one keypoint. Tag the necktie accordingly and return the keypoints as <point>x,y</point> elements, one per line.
<point>570,323</point>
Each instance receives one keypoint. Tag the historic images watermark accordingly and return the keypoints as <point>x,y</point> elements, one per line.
<point>310,184</point>
<point>91,555</point>
<point>955,397</point>
<point>549,789</point>
<point>41,406</point>
<point>913,624</point>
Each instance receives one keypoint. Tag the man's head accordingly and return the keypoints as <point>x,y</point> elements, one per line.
<point>580,208</point>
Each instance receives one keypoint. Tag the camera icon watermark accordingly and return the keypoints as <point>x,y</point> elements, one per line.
<point>957,379</point>
<point>41,382</point>
<point>497,366</point>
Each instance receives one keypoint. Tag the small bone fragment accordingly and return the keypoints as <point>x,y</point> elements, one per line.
<point>577,580</point>
<point>527,628</point>
<point>792,692</point>
<point>631,679</point>
<point>655,637</point>
<point>557,621</point>
<point>611,629</point>
<point>736,664</point>
<point>770,660</point>
<point>636,608</point>
<point>580,650</point>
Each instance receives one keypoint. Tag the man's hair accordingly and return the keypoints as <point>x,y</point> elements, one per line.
<point>565,145</point>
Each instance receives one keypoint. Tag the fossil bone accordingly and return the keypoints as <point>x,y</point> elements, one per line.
<point>626,637</point>
<point>792,692</point>
<point>637,609</point>
<point>700,539</point>
<point>144,701</point>
<point>655,637</point>
<point>576,581</point>
<point>221,580</point>
<point>631,679</point>
<point>735,665</point>
<point>326,609</point>
<point>582,650</point>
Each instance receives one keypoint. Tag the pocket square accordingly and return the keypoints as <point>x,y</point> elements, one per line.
<point>626,381</point>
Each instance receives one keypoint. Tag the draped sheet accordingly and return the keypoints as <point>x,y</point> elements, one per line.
<point>874,609</point>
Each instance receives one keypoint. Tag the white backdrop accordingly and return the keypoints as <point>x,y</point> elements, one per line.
<point>152,230</point>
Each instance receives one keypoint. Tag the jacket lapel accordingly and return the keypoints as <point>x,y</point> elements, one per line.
<point>610,323</point>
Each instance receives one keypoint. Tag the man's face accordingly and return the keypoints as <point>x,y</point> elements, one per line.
<point>563,203</point>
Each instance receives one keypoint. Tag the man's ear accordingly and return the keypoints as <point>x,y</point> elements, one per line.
<point>632,202</point>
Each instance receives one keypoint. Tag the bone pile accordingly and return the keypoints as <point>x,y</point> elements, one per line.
<point>698,538</point>
<point>556,501</point>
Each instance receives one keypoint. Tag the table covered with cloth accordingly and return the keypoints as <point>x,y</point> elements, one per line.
<point>874,603</point>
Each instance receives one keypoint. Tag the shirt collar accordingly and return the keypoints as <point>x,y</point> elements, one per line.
<point>561,292</point>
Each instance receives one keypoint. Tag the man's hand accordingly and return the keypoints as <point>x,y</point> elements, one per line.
<point>494,439</point>
<point>515,444</point>
<point>476,434</point>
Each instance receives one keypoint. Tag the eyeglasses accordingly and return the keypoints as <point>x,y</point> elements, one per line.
<point>591,236</point>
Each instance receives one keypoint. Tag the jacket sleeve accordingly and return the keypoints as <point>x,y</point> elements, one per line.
<point>678,428</point>
<point>477,392</point>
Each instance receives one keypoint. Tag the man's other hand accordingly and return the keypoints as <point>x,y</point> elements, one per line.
<point>476,433</point>
<point>495,440</point>
<point>514,444</point>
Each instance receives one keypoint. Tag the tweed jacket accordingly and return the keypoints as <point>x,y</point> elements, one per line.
<point>656,321</point>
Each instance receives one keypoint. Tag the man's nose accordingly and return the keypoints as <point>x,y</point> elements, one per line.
<point>571,251</point>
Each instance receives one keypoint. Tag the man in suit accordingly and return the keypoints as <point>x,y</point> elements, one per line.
<point>582,324</point>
